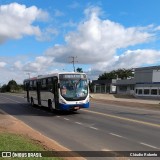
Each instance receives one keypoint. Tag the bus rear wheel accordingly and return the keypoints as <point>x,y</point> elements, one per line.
<point>50,106</point>
<point>32,102</point>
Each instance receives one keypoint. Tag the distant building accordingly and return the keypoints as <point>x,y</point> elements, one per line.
<point>126,86</point>
<point>104,86</point>
<point>146,82</point>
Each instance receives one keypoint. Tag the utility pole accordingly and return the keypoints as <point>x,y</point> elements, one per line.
<point>28,75</point>
<point>73,61</point>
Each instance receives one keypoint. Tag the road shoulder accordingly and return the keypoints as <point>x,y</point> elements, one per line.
<point>128,104</point>
<point>9,124</point>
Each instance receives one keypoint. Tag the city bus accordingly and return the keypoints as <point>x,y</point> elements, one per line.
<point>59,91</point>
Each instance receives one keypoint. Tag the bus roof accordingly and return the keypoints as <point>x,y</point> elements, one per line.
<point>52,75</point>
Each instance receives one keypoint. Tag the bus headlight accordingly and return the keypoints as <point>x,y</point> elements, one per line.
<point>87,100</point>
<point>62,101</point>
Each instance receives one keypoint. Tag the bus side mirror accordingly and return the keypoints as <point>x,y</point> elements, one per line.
<point>58,85</point>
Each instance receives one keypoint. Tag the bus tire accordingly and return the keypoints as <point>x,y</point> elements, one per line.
<point>50,106</point>
<point>32,102</point>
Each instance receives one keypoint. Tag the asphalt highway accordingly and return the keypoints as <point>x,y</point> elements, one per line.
<point>102,127</point>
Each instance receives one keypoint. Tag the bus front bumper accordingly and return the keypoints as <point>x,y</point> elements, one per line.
<point>73,106</point>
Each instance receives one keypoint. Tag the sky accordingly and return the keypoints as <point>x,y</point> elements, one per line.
<point>39,37</point>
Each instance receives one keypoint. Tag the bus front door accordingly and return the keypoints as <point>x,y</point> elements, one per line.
<point>55,91</point>
<point>27,89</point>
<point>38,93</point>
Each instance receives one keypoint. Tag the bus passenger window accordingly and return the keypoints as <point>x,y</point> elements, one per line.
<point>34,85</point>
<point>49,80</point>
<point>43,86</point>
<point>24,86</point>
<point>50,85</point>
<point>31,85</point>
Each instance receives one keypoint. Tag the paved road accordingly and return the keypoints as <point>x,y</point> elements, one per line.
<point>100,128</point>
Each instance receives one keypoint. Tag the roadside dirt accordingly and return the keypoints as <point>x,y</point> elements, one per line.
<point>9,124</point>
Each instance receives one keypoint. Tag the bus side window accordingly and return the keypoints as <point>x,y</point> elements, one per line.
<point>43,84</point>
<point>31,85</point>
<point>38,85</point>
<point>34,85</point>
<point>49,80</point>
<point>25,86</point>
<point>50,84</point>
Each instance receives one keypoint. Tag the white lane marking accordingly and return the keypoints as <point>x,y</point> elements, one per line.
<point>122,118</point>
<point>11,99</point>
<point>113,134</point>
<point>66,119</point>
<point>94,128</point>
<point>78,123</point>
<point>58,116</point>
<point>130,108</point>
<point>14,95</point>
<point>148,145</point>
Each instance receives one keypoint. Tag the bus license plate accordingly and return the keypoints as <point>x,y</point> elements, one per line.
<point>76,107</point>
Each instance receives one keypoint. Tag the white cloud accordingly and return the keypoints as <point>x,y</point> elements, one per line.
<point>2,64</point>
<point>8,72</point>
<point>18,69</point>
<point>47,34</point>
<point>58,13</point>
<point>157,28</point>
<point>40,64</point>
<point>97,40</point>
<point>93,11</point>
<point>129,59</point>
<point>70,23</point>
<point>18,65</point>
<point>137,58</point>
<point>16,21</point>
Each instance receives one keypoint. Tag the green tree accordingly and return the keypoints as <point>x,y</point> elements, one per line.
<point>4,88</point>
<point>119,73</point>
<point>12,86</point>
<point>124,73</point>
<point>108,76</point>
<point>79,70</point>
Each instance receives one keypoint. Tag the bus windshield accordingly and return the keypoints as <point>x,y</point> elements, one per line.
<point>74,89</point>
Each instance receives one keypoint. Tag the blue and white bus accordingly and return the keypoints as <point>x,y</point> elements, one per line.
<point>59,91</point>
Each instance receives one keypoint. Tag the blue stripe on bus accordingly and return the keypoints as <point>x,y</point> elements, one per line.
<point>71,106</point>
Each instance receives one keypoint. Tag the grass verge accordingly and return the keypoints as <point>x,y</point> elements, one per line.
<point>15,142</point>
